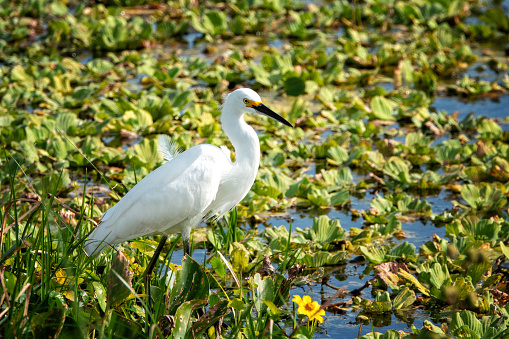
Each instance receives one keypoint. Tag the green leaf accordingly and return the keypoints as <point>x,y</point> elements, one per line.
<point>53,183</point>
<point>338,154</point>
<point>30,153</point>
<point>213,315</point>
<point>218,266</point>
<point>264,291</point>
<point>466,320</point>
<point>439,275</point>
<point>340,198</point>
<point>183,318</point>
<point>404,299</point>
<point>489,129</point>
<point>212,23</point>
<point>215,22</point>
<point>324,230</point>
<point>239,257</point>
<point>272,309</point>
<point>401,251</point>
<point>319,197</point>
<point>410,278</point>
<point>322,258</point>
<point>449,151</point>
<point>497,17</point>
<point>139,119</point>
<point>260,74</point>
<point>10,281</point>
<point>504,249</point>
<point>398,169</point>
<point>381,304</point>
<point>100,292</point>
<point>237,304</point>
<point>145,246</point>
<point>471,194</point>
<point>382,108</point>
<point>294,86</point>
<point>18,74</point>
<point>66,121</point>
<point>58,8</point>
<point>191,284</point>
<point>374,255</point>
<point>100,66</point>
<point>148,151</point>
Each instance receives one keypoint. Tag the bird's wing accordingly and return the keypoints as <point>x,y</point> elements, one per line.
<point>168,148</point>
<point>226,151</point>
<point>228,197</point>
<point>176,194</point>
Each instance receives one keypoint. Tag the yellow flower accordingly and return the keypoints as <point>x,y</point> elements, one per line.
<point>309,308</point>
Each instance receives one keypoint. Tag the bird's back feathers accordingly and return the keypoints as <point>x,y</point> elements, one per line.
<point>167,199</point>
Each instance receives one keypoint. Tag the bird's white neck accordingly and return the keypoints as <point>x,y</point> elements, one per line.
<point>244,140</point>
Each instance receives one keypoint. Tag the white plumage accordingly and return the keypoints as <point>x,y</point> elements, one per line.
<point>190,187</point>
<point>168,148</point>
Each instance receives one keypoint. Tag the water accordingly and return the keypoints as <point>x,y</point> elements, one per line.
<point>198,256</point>
<point>191,38</point>
<point>491,108</point>
<point>353,276</point>
<point>480,71</point>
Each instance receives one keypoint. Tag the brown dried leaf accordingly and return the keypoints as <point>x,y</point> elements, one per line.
<point>388,272</point>
<point>125,134</point>
<point>500,297</point>
<point>166,325</point>
<point>267,268</point>
<point>295,271</point>
<point>119,279</point>
<point>68,217</point>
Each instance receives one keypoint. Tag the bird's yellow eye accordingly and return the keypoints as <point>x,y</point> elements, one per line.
<point>251,103</point>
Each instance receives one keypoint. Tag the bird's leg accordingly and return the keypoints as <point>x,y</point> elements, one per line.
<point>155,257</point>
<point>151,265</point>
<point>186,246</point>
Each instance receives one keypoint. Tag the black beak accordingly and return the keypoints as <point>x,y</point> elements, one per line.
<point>271,114</point>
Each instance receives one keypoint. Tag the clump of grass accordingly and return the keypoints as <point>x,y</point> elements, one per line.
<point>50,287</point>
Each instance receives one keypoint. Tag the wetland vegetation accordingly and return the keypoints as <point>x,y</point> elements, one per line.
<point>382,214</point>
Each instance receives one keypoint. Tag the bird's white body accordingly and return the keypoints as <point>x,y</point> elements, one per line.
<point>195,185</point>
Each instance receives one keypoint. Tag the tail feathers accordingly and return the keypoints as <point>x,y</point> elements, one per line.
<point>97,242</point>
<point>95,247</point>
<point>168,148</point>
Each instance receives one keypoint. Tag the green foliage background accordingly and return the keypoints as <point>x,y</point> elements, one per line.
<point>86,87</point>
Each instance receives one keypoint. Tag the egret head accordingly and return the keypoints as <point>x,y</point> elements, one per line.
<point>247,100</point>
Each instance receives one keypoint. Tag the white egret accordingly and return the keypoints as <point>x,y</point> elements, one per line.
<point>193,186</point>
